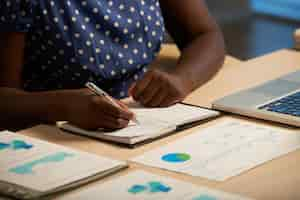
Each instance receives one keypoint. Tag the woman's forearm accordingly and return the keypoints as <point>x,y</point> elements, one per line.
<point>79,106</point>
<point>18,107</point>
<point>201,58</point>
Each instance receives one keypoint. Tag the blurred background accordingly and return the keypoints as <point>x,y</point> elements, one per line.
<point>256,27</point>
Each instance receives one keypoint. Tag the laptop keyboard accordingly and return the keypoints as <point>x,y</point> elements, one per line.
<point>289,105</point>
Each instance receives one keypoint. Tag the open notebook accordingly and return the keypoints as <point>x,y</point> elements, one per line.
<point>31,168</point>
<point>153,123</point>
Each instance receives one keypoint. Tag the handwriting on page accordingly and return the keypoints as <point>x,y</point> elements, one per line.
<point>146,126</point>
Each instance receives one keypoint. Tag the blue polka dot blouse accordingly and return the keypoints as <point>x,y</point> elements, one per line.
<point>70,42</point>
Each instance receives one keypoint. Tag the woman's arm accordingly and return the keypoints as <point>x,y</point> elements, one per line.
<point>19,108</point>
<point>202,54</point>
<point>198,37</point>
<point>11,54</point>
<point>11,61</point>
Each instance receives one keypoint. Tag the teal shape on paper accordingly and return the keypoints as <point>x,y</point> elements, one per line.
<point>4,146</point>
<point>28,167</point>
<point>137,189</point>
<point>16,145</point>
<point>158,187</point>
<point>205,197</point>
<point>151,187</point>
<point>19,144</point>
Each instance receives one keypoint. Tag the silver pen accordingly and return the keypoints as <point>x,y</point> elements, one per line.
<point>98,91</point>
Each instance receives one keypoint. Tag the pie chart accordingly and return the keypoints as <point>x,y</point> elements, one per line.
<point>176,157</point>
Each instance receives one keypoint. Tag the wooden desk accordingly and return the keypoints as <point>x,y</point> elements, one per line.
<point>169,53</point>
<point>276,180</point>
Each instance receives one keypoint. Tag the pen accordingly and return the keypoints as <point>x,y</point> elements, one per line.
<point>98,91</point>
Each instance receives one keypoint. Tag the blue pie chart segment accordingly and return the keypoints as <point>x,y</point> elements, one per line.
<point>176,157</point>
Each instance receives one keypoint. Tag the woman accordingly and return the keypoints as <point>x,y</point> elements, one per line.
<point>50,49</point>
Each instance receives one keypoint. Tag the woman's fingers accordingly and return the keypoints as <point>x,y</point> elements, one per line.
<point>140,86</point>
<point>157,99</point>
<point>103,105</point>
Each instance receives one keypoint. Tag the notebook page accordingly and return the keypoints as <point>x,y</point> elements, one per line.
<point>140,185</point>
<point>222,151</point>
<point>178,114</point>
<point>147,126</point>
<point>44,166</point>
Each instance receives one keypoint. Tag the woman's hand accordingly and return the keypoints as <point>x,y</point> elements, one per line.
<point>88,111</point>
<point>160,89</point>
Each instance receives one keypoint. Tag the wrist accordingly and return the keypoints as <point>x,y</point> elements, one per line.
<point>185,79</point>
<point>52,106</point>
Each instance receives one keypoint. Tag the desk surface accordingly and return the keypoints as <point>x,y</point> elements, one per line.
<point>169,54</point>
<point>279,179</point>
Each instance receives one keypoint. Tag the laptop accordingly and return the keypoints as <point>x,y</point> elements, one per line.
<point>277,100</point>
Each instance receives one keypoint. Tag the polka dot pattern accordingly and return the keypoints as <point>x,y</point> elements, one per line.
<point>70,42</point>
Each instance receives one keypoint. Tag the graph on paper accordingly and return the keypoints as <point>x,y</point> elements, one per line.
<point>26,161</point>
<point>141,185</point>
<point>223,150</point>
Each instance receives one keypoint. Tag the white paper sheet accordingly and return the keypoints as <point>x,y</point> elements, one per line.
<point>140,185</point>
<point>43,166</point>
<point>222,151</point>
